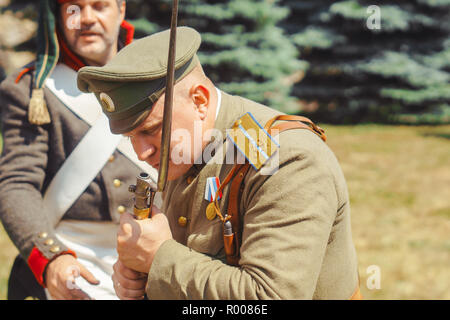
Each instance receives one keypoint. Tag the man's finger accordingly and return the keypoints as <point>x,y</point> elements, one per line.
<point>71,290</point>
<point>126,217</point>
<point>70,282</point>
<point>65,291</point>
<point>121,297</point>
<point>128,273</point>
<point>86,274</point>
<point>127,223</point>
<point>125,294</point>
<point>55,294</point>
<point>138,284</point>
<point>78,294</point>
<point>158,216</point>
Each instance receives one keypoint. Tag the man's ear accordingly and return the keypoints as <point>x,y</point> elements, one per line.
<point>200,96</point>
<point>123,9</point>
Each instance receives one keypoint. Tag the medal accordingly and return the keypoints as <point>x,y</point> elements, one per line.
<point>211,211</point>
<point>212,186</point>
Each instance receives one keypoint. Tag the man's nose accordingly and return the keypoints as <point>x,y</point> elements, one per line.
<point>87,15</point>
<point>143,148</point>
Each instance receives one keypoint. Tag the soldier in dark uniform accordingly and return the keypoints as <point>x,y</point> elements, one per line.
<point>39,133</point>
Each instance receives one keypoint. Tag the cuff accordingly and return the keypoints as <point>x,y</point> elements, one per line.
<point>38,263</point>
<point>162,277</point>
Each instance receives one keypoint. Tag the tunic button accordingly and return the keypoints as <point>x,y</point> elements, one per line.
<point>43,235</point>
<point>54,249</point>
<point>49,242</point>
<point>189,179</point>
<point>111,158</point>
<point>117,183</point>
<point>182,221</point>
<point>121,209</point>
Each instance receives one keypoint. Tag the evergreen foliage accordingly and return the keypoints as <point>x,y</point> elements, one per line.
<point>398,73</point>
<point>243,50</point>
<point>321,58</point>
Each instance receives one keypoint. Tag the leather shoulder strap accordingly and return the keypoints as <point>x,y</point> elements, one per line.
<point>233,212</point>
<point>295,122</point>
<point>237,186</point>
<point>232,243</point>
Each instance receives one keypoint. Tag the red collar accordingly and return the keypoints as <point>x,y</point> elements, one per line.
<point>75,62</point>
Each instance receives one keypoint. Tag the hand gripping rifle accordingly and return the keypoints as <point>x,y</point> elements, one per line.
<point>144,194</point>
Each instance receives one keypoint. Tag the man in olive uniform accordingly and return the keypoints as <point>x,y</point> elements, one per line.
<point>42,125</point>
<point>294,230</point>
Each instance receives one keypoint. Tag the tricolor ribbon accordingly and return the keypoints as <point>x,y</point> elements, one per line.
<point>212,185</point>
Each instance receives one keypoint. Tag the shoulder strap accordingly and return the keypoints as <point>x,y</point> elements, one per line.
<point>232,249</point>
<point>79,169</point>
<point>237,176</point>
<point>232,243</point>
<point>295,122</point>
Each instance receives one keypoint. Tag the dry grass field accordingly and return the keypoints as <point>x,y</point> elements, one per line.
<point>399,182</point>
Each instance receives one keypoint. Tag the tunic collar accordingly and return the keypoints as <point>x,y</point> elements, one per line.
<point>219,101</point>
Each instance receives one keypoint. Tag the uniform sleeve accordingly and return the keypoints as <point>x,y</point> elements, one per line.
<point>22,176</point>
<point>287,223</point>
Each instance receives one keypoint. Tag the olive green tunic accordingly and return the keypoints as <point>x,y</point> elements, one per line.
<point>296,233</point>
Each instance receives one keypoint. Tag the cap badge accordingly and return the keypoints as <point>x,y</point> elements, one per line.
<point>107,102</point>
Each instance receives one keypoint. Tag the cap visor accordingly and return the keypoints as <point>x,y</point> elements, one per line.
<point>126,125</point>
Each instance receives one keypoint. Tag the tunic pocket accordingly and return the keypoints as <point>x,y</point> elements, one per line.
<point>207,238</point>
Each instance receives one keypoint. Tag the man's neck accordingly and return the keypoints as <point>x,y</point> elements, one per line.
<point>102,60</point>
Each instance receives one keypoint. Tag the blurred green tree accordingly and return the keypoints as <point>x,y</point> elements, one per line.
<point>360,69</point>
<point>351,67</point>
<point>243,50</point>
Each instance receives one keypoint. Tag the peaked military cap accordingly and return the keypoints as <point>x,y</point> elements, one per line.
<point>128,86</point>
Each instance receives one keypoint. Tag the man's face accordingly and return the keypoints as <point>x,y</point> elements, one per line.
<point>91,28</point>
<point>186,142</point>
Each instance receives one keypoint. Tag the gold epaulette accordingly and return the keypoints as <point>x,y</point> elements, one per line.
<point>252,140</point>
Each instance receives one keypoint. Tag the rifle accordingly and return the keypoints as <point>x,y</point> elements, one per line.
<point>144,194</point>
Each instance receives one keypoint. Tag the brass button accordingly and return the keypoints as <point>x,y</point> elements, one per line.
<point>111,158</point>
<point>182,221</point>
<point>43,235</point>
<point>49,242</point>
<point>189,179</point>
<point>117,183</point>
<point>121,209</point>
<point>54,249</point>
